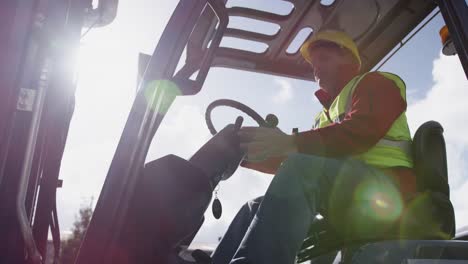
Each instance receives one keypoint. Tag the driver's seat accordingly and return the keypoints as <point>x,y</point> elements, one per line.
<point>427,215</point>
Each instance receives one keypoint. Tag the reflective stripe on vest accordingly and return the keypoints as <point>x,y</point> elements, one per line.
<point>403,145</point>
<point>395,148</point>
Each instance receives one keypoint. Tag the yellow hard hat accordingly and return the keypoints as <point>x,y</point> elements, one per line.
<point>338,37</point>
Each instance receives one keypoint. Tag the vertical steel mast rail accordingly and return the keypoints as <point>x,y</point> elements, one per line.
<point>24,76</point>
<point>66,19</point>
<point>455,13</point>
<point>37,74</point>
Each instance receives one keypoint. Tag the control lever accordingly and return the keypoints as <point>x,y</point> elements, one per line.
<point>233,166</point>
<point>221,155</point>
<point>238,123</point>
<point>271,121</point>
<point>216,207</point>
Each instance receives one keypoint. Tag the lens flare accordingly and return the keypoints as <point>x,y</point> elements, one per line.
<point>382,202</point>
<point>364,207</point>
<point>159,94</point>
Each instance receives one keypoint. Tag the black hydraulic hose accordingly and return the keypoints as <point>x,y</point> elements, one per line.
<point>55,230</point>
<point>403,43</point>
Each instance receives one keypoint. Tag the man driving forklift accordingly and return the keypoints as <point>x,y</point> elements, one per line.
<point>354,166</point>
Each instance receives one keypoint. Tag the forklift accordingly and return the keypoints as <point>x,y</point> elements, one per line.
<point>149,212</point>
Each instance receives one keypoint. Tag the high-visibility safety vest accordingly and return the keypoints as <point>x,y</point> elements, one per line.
<point>394,149</point>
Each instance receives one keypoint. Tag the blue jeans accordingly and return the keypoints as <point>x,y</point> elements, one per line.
<point>271,230</point>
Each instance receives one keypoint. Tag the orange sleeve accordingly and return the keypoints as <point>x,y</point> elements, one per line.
<point>376,104</point>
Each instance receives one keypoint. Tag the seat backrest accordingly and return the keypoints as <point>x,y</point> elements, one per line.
<point>430,158</point>
<point>430,216</point>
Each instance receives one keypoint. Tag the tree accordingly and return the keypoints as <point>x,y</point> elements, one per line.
<point>71,245</point>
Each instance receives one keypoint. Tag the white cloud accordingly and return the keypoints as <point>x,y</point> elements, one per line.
<point>445,103</point>
<point>285,92</point>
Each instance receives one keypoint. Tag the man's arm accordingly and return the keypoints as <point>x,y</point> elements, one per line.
<point>376,104</point>
<point>269,165</point>
<point>270,143</point>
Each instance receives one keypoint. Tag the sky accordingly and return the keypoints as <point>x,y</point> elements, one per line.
<point>107,71</point>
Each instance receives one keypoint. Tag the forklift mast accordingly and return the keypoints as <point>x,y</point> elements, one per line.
<point>38,46</point>
<point>37,87</point>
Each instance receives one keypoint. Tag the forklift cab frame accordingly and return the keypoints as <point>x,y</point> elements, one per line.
<point>197,26</point>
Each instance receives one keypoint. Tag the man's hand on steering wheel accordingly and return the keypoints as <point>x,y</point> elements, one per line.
<point>263,148</point>
<point>261,143</point>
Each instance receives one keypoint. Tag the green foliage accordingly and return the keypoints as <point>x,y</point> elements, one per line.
<point>71,245</point>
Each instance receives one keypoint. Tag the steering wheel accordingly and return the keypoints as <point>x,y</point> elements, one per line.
<point>270,120</point>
